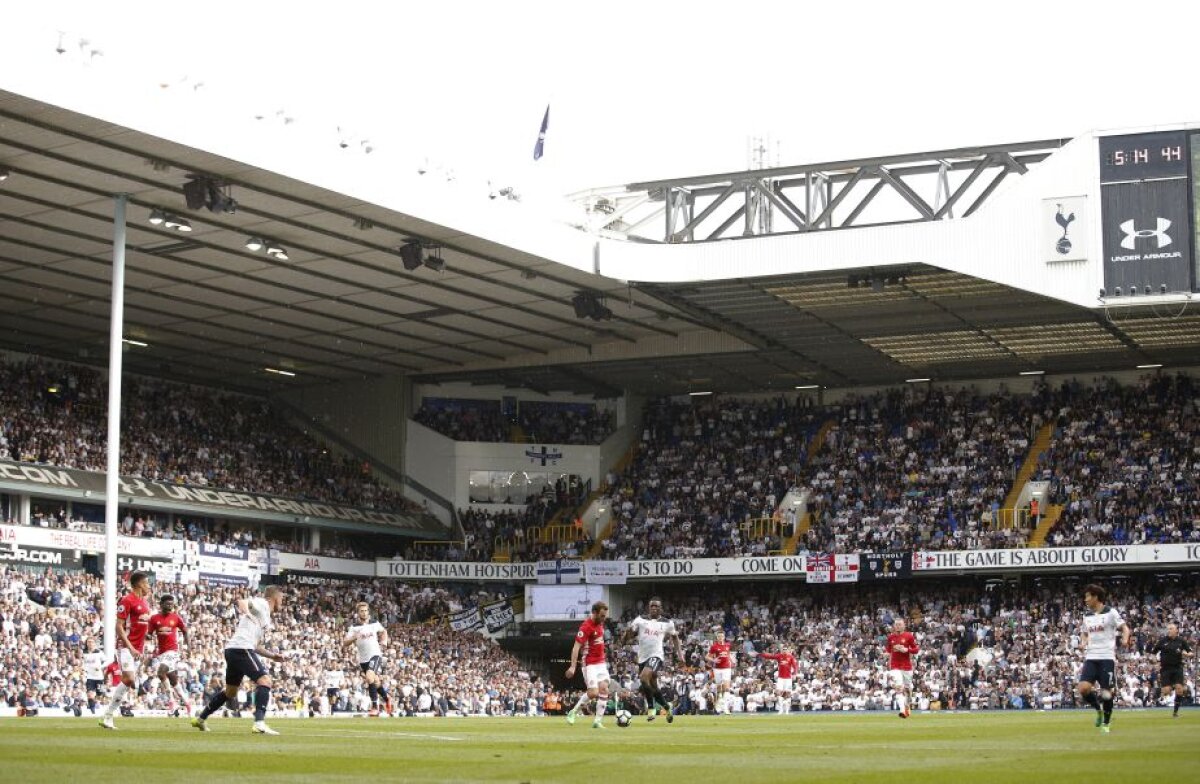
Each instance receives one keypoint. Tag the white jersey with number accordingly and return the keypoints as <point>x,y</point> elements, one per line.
<point>252,625</point>
<point>1101,628</point>
<point>650,636</point>
<point>366,637</point>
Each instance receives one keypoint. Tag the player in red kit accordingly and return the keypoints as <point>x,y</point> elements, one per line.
<point>166,626</point>
<point>901,645</point>
<point>133,623</point>
<point>785,678</point>
<point>720,657</point>
<point>590,640</point>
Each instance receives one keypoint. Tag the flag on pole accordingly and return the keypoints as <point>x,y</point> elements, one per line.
<point>539,148</point>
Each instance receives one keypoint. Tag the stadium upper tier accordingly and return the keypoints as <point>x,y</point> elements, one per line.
<point>54,414</point>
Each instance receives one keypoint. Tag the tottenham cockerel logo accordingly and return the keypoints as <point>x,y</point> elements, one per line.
<point>1133,234</point>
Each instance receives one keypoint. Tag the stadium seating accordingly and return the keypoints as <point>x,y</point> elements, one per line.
<point>46,620</point>
<point>1124,463</point>
<point>537,421</point>
<point>54,413</point>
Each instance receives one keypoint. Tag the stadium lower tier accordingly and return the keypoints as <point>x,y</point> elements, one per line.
<point>984,643</point>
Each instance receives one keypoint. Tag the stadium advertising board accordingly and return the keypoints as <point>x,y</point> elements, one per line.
<point>61,539</point>
<point>224,564</point>
<point>25,477</point>
<point>605,572</point>
<point>13,553</point>
<point>1146,221</point>
<point>319,564</point>
<point>1057,557</point>
<point>469,571</point>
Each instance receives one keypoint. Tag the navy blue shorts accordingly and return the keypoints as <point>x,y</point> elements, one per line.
<point>1101,671</point>
<point>242,663</point>
<point>375,664</point>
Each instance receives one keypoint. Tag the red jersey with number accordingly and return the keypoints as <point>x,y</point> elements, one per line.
<point>901,660</point>
<point>787,664</point>
<point>135,612</point>
<point>720,653</point>
<point>166,630</point>
<point>591,637</point>
<point>112,674</point>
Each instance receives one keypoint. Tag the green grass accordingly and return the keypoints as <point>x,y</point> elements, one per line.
<point>926,749</point>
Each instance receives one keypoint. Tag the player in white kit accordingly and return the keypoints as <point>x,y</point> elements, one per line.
<point>244,653</point>
<point>651,633</point>
<point>368,636</point>
<point>1099,640</point>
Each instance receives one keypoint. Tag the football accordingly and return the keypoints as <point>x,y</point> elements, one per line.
<point>624,718</point>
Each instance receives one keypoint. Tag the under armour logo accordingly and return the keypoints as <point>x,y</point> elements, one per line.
<point>1132,234</point>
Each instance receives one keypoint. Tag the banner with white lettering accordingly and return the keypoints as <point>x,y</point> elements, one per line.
<point>498,615</point>
<point>465,620</point>
<point>605,572</point>
<point>884,566</point>
<point>70,482</point>
<point>41,557</point>
<point>225,564</point>
<point>286,562</point>
<point>561,571</point>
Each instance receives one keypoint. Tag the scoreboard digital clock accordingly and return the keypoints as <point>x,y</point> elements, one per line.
<point>1143,156</point>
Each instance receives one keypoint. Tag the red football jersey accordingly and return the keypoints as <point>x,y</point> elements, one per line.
<point>720,652</point>
<point>113,673</point>
<point>787,664</point>
<point>901,660</point>
<point>166,629</point>
<point>591,637</point>
<point>134,610</point>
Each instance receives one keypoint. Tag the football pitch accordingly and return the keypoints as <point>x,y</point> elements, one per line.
<point>988,747</point>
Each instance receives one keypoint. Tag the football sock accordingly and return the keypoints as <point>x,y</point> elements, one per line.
<point>583,698</point>
<point>644,690</point>
<point>373,690</point>
<point>601,705</point>
<point>214,704</point>
<point>117,696</point>
<point>383,694</point>
<point>180,692</point>
<point>262,696</point>
<point>1176,703</point>
<point>1091,699</point>
<point>902,701</point>
<point>659,697</point>
<point>1107,704</point>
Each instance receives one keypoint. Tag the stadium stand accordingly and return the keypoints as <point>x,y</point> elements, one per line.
<point>543,422</point>
<point>46,619</point>
<point>54,413</point>
<point>1123,464</point>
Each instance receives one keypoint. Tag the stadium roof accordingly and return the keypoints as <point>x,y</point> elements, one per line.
<point>343,306</point>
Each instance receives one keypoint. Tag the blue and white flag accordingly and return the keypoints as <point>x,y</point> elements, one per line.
<point>539,148</point>
<point>559,571</point>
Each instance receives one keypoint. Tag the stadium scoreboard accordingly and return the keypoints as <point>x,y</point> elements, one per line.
<point>1148,201</point>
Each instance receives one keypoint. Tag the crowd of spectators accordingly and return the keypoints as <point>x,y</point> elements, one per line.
<point>984,644</point>
<point>1011,644</point>
<point>47,621</point>
<point>925,471</point>
<point>702,471</point>
<point>542,422</point>
<point>54,413</point>
<point>1124,463</point>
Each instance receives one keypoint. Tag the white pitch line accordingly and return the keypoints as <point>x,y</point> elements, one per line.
<point>353,734</point>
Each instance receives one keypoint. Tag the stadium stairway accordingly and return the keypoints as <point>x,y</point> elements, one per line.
<point>802,526</point>
<point>1049,520</point>
<point>1040,444</point>
<point>618,469</point>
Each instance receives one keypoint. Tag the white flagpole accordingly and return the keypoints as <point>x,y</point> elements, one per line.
<point>115,347</point>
